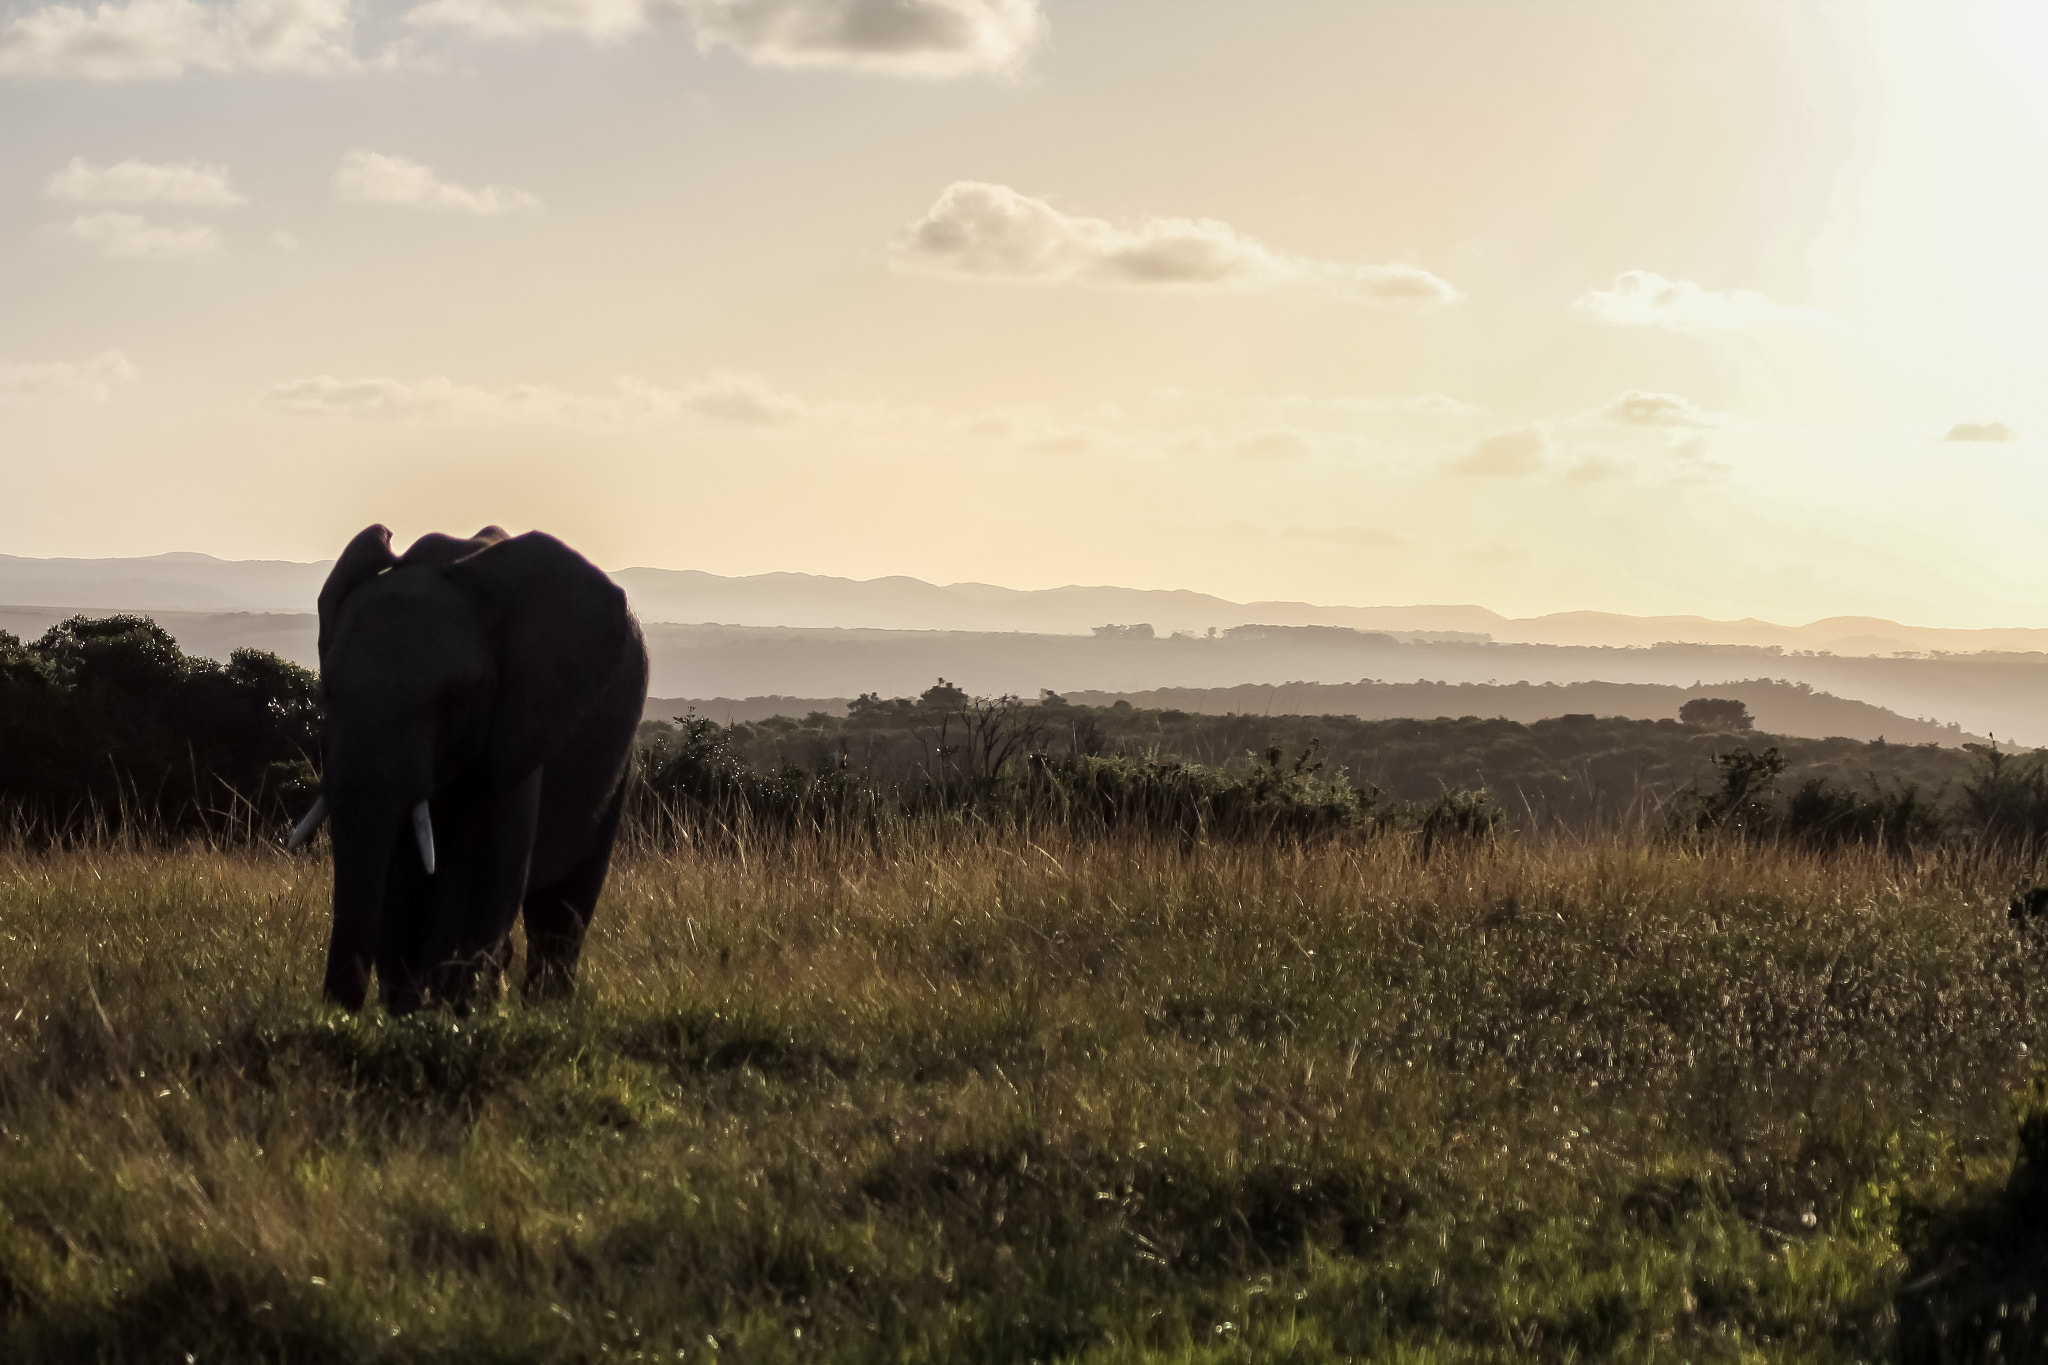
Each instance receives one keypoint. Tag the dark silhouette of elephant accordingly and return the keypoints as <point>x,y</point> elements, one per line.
<point>482,696</point>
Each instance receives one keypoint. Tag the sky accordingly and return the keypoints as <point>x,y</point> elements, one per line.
<point>1738,309</point>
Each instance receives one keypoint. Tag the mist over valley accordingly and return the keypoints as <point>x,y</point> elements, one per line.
<point>815,642</point>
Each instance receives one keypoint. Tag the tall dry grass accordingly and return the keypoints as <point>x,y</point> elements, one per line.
<point>939,1093</point>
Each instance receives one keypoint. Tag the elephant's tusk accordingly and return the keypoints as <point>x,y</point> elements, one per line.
<point>306,828</point>
<point>423,831</point>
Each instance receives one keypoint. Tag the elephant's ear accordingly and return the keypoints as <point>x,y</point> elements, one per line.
<point>560,630</point>
<point>368,555</point>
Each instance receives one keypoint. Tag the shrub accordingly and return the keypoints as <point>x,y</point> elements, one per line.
<point>1895,819</point>
<point>2007,800</point>
<point>690,776</point>
<point>1716,713</point>
<point>107,721</point>
<point>1746,804</point>
<point>1277,798</point>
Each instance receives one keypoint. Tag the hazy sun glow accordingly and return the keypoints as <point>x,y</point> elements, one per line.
<point>1734,309</point>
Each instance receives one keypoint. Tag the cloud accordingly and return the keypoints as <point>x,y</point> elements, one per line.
<point>1278,443</point>
<point>1081,440</point>
<point>142,182</point>
<point>163,39</point>
<point>721,396</point>
<point>1506,454</point>
<point>1431,404</point>
<point>598,20</point>
<point>1420,404</point>
<point>1642,298</point>
<point>983,231</point>
<point>1594,468</point>
<point>1979,431</point>
<point>129,237</point>
<point>1694,462</point>
<point>1636,408</point>
<point>94,379</point>
<point>744,398</point>
<point>373,178</point>
<point>936,39</point>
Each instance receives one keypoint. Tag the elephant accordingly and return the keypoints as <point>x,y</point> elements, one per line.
<point>482,697</point>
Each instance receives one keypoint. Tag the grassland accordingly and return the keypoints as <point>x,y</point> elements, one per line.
<point>946,1095</point>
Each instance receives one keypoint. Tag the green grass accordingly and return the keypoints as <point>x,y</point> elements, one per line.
<point>960,1097</point>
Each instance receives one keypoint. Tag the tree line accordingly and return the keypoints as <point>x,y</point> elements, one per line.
<point>106,724</point>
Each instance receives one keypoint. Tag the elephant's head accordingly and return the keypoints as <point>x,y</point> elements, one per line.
<point>450,675</point>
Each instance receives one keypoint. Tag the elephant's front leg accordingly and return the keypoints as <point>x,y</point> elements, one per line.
<point>472,924</point>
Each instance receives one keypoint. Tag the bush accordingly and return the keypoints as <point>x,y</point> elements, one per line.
<point>1277,798</point>
<point>106,722</point>
<point>1716,713</point>
<point>690,777</point>
<point>1747,803</point>
<point>981,759</point>
<point>2007,800</point>
<point>1895,819</point>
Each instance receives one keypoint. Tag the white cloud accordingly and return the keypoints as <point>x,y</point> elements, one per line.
<point>930,38</point>
<point>143,182</point>
<point>94,379</point>
<point>721,396</point>
<point>373,178</point>
<point>598,20</point>
<point>1643,298</point>
<point>988,231</point>
<point>749,399</point>
<point>1979,431</point>
<point>146,39</point>
<point>935,39</point>
<point>165,39</point>
<point>130,237</point>
<point>1636,408</point>
<point>1506,454</point>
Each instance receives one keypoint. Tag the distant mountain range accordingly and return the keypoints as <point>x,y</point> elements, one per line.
<point>200,583</point>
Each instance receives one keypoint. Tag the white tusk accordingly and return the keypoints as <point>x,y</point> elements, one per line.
<point>423,831</point>
<point>306,828</point>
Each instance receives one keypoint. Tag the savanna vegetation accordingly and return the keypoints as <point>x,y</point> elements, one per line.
<point>105,724</point>
<point>1119,765</point>
<point>1044,1051</point>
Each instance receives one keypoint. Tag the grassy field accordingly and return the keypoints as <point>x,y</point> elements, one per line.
<point>955,1097</point>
